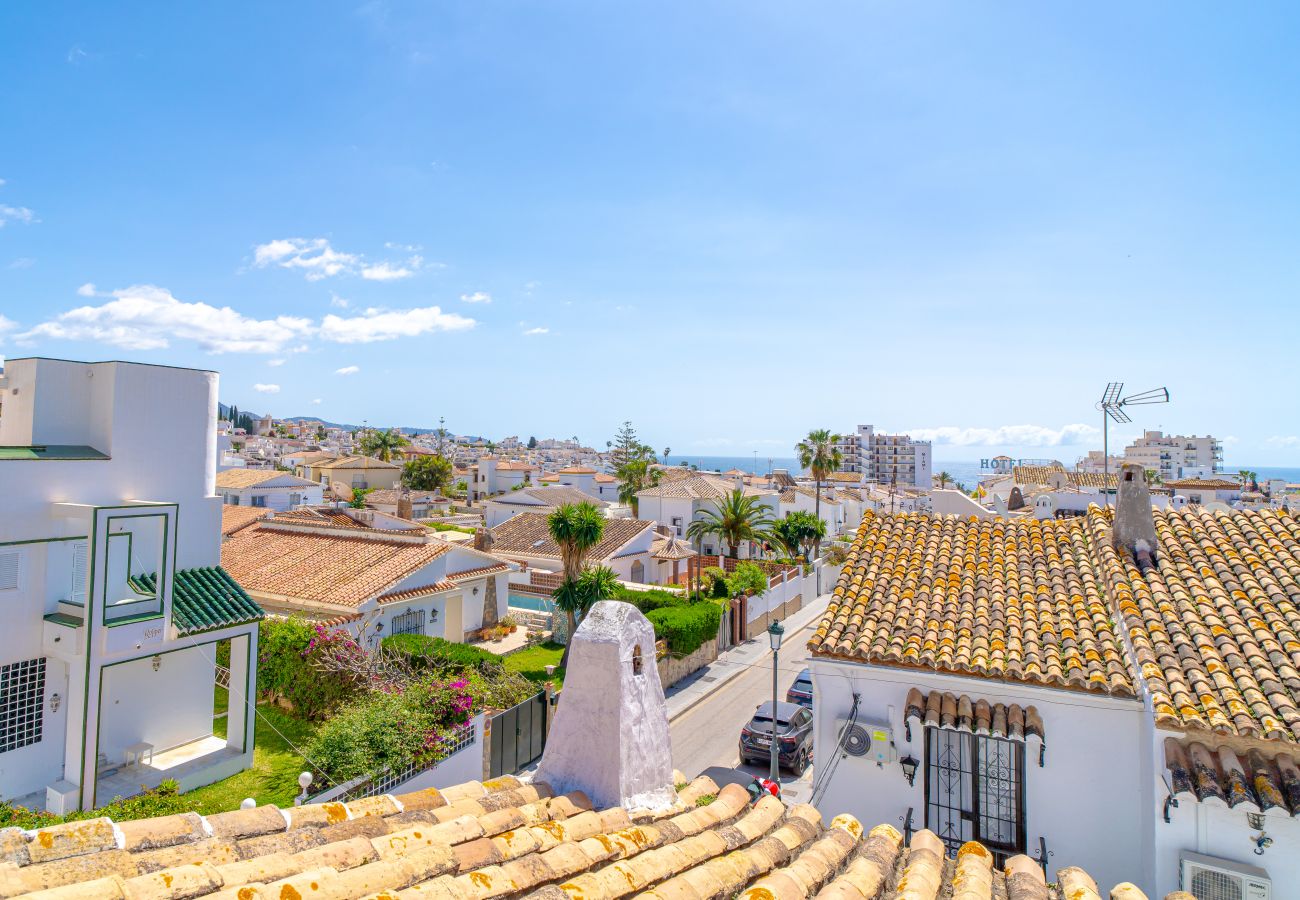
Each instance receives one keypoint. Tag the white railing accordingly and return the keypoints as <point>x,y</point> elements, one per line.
<point>385,781</point>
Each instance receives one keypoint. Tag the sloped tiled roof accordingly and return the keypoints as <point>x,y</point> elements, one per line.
<point>552,495</point>
<point>1204,484</point>
<point>451,581</point>
<point>207,598</point>
<point>356,462</point>
<point>1252,777</point>
<point>234,518</point>
<point>698,487</point>
<point>1036,474</point>
<point>1215,621</point>
<point>246,478</point>
<point>502,838</point>
<point>940,709</point>
<point>1019,600</point>
<point>529,534</point>
<point>1094,480</point>
<point>341,570</point>
<point>670,547</point>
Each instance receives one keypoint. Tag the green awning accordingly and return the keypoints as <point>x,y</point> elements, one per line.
<point>207,598</point>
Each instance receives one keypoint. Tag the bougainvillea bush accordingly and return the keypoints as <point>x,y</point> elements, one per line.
<point>295,662</point>
<point>391,729</point>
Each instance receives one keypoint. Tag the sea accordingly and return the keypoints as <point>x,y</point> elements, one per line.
<point>966,473</point>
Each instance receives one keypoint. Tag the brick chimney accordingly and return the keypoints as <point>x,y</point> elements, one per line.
<point>404,508</point>
<point>483,540</point>
<point>1135,527</point>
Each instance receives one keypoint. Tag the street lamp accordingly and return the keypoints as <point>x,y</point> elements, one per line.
<point>774,634</point>
<point>1111,406</point>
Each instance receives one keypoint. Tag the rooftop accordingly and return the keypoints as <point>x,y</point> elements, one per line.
<point>247,478</point>
<point>698,487</point>
<point>547,495</point>
<point>504,838</point>
<point>529,534</point>
<point>234,518</point>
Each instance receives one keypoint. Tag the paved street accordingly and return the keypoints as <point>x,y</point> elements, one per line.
<point>706,736</point>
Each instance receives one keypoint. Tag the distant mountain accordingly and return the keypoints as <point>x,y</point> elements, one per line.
<point>223,410</point>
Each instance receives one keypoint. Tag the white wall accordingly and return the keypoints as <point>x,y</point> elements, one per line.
<point>1091,813</point>
<point>167,708</point>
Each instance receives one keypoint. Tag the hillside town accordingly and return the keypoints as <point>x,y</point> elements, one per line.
<point>961,657</point>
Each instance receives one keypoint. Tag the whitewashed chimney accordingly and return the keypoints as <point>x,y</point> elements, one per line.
<point>1135,526</point>
<point>610,735</point>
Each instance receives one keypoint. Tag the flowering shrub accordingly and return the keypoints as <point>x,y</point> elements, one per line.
<point>295,661</point>
<point>392,729</point>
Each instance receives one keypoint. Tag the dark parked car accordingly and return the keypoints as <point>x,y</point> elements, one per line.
<point>801,691</point>
<point>794,735</point>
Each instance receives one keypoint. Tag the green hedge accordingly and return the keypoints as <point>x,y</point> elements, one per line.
<point>438,654</point>
<point>650,599</point>
<point>685,628</point>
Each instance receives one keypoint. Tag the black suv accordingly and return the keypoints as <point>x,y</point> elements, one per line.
<point>801,691</point>
<point>794,735</point>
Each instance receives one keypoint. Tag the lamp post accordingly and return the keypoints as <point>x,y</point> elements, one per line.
<point>774,634</point>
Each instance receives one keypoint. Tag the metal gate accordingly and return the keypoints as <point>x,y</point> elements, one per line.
<point>518,736</point>
<point>974,788</point>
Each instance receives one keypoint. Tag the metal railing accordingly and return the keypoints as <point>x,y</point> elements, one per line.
<point>383,782</point>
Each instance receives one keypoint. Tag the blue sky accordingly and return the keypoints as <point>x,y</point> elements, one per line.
<point>728,222</point>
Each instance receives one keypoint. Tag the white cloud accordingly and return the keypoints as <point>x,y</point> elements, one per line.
<point>267,388</point>
<point>384,325</point>
<point>477,297</point>
<point>315,257</point>
<point>276,362</point>
<point>316,402</point>
<point>1283,441</point>
<point>16,214</point>
<point>538,330</point>
<point>6,325</point>
<point>87,290</point>
<point>386,271</point>
<point>347,370</point>
<point>22,262</point>
<point>1008,435</point>
<point>338,302</point>
<point>146,317</point>
<point>318,260</point>
<point>403,248</point>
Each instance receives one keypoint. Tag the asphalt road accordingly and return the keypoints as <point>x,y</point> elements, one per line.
<point>708,735</point>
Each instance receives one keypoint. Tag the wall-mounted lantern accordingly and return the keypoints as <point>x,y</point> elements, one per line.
<point>909,765</point>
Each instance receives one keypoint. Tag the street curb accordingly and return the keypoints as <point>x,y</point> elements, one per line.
<point>731,675</point>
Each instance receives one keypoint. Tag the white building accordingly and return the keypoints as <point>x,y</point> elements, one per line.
<point>534,499</point>
<point>1118,687</point>
<point>887,458</point>
<point>1175,456</point>
<point>113,594</point>
<point>675,504</point>
<point>363,568</point>
<point>491,476</point>
<point>269,488</point>
<point>627,546</point>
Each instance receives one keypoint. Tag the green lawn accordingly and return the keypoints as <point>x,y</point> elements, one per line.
<point>531,663</point>
<point>274,775</point>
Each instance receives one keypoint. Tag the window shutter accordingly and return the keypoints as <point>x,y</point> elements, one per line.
<point>77,589</point>
<point>9,561</point>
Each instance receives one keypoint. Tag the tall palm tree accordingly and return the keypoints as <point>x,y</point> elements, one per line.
<point>944,478</point>
<point>383,444</point>
<point>734,518</point>
<point>819,454</point>
<point>575,528</point>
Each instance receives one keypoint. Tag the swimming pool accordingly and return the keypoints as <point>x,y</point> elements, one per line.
<point>529,601</point>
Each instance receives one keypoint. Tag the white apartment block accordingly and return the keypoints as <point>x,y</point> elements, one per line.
<point>1175,456</point>
<point>887,458</point>
<point>113,593</point>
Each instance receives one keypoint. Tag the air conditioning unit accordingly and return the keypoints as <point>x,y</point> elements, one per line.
<point>1209,878</point>
<point>872,741</point>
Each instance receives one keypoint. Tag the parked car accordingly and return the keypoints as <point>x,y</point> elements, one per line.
<point>801,691</point>
<point>794,735</point>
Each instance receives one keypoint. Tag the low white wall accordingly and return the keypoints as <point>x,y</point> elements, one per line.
<point>464,765</point>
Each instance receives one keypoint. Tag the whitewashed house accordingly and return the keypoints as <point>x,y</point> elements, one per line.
<point>352,473</point>
<point>112,588</point>
<point>627,546</point>
<point>1123,684</point>
<point>534,499</point>
<point>366,569</point>
<point>675,504</point>
<point>491,476</point>
<point>269,488</point>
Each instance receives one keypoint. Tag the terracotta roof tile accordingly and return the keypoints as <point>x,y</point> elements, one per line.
<point>1204,484</point>
<point>1094,480</point>
<point>323,568</point>
<point>697,487</point>
<point>246,478</point>
<point>940,709</point>
<point>1037,474</point>
<point>234,518</point>
<point>507,839</point>
<point>1014,599</point>
<point>552,495</point>
<point>1262,781</point>
<point>529,534</point>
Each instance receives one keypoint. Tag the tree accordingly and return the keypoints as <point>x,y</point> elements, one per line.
<point>428,473</point>
<point>358,498</point>
<point>734,518</point>
<point>668,451</point>
<point>944,478</point>
<point>626,447</point>
<point>798,531</point>
<point>320,433</point>
<point>819,454</point>
<point>635,476</point>
<point>1153,476</point>
<point>383,444</point>
<point>532,442</point>
<point>575,528</point>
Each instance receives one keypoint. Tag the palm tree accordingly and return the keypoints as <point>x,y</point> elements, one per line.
<point>819,454</point>
<point>575,528</point>
<point>944,478</point>
<point>383,444</point>
<point>735,517</point>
